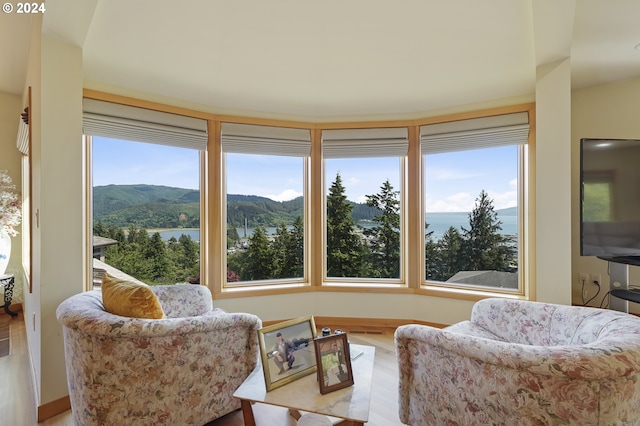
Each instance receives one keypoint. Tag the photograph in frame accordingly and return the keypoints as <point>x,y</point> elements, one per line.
<point>287,351</point>
<point>333,359</point>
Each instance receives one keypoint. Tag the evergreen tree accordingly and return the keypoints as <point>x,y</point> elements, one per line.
<point>190,261</point>
<point>157,255</point>
<point>344,249</point>
<point>237,264</point>
<point>484,247</point>
<point>295,249</point>
<point>384,238</point>
<point>430,255</point>
<point>259,256</point>
<point>450,259</point>
<point>282,262</point>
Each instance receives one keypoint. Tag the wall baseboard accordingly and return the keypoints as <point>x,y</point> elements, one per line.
<point>363,325</point>
<point>53,408</point>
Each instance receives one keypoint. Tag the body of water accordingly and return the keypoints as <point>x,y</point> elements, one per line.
<point>176,233</point>
<point>438,223</point>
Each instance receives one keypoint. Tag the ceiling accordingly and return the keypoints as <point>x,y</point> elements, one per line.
<point>331,58</point>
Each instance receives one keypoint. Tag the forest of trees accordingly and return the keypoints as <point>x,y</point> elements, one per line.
<point>374,252</point>
<point>352,251</point>
<point>149,258</point>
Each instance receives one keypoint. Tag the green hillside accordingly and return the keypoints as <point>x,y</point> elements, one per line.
<point>114,198</point>
<point>154,206</point>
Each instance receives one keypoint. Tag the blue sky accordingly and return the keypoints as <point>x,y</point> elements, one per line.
<point>453,180</point>
<point>125,163</point>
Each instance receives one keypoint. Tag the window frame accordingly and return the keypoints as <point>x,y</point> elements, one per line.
<point>522,225</point>
<point>275,283</point>
<point>87,141</point>
<point>401,281</point>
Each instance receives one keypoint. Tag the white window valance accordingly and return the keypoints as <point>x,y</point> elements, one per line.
<point>359,143</point>
<point>265,140</point>
<point>475,133</point>
<point>117,121</point>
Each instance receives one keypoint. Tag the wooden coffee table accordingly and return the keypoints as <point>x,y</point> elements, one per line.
<point>350,404</point>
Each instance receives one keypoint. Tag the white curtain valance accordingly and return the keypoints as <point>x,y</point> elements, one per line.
<point>265,140</point>
<point>117,121</point>
<point>359,143</point>
<point>475,133</point>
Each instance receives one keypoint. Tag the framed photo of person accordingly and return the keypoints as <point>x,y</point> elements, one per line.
<point>334,362</point>
<point>286,350</point>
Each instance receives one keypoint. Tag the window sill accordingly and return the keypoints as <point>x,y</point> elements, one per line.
<point>465,293</point>
<point>432,291</point>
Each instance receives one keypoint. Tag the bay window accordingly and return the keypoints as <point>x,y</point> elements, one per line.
<point>400,206</point>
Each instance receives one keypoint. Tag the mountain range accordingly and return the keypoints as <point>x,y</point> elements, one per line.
<point>155,206</point>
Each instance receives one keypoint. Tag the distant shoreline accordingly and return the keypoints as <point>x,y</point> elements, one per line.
<point>151,231</point>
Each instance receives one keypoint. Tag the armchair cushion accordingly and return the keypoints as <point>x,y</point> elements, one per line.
<point>129,299</point>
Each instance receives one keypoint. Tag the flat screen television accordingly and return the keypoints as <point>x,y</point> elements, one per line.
<point>610,199</point>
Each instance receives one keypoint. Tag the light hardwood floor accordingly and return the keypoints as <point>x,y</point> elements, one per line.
<point>17,403</point>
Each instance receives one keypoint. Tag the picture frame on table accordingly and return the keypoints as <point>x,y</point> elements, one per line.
<point>333,359</point>
<point>287,351</point>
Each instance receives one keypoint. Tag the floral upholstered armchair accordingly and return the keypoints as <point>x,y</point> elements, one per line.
<point>180,370</point>
<point>522,363</point>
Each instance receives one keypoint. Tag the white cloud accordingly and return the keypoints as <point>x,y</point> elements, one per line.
<point>504,200</point>
<point>459,202</point>
<point>465,202</point>
<point>286,195</point>
<point>449,174</point>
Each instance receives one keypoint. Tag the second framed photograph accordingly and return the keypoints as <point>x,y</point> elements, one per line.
<point>334,362</point>
<point>287,351</point>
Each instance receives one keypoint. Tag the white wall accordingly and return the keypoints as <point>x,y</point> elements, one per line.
<point>61,203</point>
<point>55,74</point>
<point>356,305</point>
<point>553,183</point>
<point>605,111</point>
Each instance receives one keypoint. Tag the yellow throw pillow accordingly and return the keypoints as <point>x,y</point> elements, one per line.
<point>129,299</point>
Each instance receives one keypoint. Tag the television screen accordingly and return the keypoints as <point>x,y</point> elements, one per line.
<point>610,197</point>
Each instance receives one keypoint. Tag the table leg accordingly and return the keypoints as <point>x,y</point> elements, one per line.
<point>295,414</point>
<point>247,413</point>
